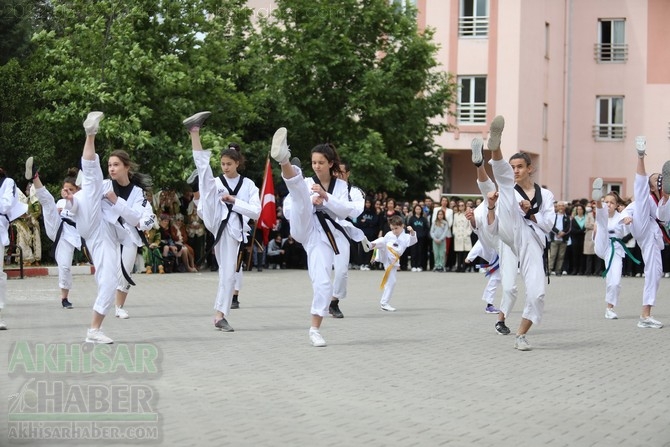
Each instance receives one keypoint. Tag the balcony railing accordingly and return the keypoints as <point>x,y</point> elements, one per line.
<point>609,132</point>
<point>477,26</point>
<point>471,113</point>
<point>611,52</point>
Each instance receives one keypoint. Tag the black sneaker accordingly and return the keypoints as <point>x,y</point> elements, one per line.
<point>235,305</point>
<point>334,309</point>
<point>66,304</point>
<point>223,325</point>
<point>501,329</point>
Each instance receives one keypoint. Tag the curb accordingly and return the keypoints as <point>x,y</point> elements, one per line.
<point>31,272</point>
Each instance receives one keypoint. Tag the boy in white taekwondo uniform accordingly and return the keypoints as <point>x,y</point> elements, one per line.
<point>525,216</point>
<point>642,215</point>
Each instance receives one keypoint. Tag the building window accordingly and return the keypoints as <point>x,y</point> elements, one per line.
<point>609,118</point>
<point>471,107</point>
<point>611,46</point>
<point>473,20</point>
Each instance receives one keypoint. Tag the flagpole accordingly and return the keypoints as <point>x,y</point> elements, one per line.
<point>253,236</point>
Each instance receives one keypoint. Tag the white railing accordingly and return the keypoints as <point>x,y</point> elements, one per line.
<point>477,26</point>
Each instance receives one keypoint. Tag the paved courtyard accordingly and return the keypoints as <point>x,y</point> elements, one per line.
<point>434,373</point>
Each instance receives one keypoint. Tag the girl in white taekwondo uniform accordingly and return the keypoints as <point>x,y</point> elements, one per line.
<point>60,225</point>
<point>10,208</point>
<point>109,214</point>
<point>607,235</point>
<point>646,230</point>
<point>525,216</point>
<point>313,209</point>
<point>225,201</point>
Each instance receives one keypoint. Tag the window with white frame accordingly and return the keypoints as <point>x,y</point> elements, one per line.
<point>609,118</point>
<point>473,19</point>
<point>611,46</point>
<point>471,107</point>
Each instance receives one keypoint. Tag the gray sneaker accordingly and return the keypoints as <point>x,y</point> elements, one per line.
<point>196,120</point>
<point>476,145</point>
<point>641,145</point>
<point>665,181</point>
<point>495,133</point>
<point>597,189</point>
<point>223,325</point>
<point>649,322</point>
<point>521,343</point>
<point>279,150</point>
<point>92,122</point>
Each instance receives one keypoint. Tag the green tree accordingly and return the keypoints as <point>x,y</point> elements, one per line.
<point>360,74</point>
<point>147,65</point>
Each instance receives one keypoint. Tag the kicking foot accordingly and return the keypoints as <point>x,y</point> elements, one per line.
<point>196,121</point>
<point>597,192</point>
<point>31,169</point>
<point>477,145</point>
<point>495,133</point>
<point>641,146</point>
<point>92,122</point>
<point>665,181</point>
<point>279,149</point>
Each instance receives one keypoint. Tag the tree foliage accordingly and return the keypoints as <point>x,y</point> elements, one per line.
<point>359,73</point>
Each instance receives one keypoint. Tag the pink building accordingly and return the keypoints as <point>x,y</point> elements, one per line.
<point>575,80</point>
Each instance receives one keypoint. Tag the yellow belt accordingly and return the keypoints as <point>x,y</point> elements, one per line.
<point>391,266</point>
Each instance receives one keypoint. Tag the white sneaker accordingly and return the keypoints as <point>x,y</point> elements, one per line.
<point>387,308</point>
<point>597,189</point>
<point>92,122</point>
<point>641,145</point>
<point>121,313</point>
<point>196,120</point>
<point>495,133</point>
<point>610,315</point>
<point>96,336</point>
<point>414,269</point>
<point>521,343</point>
<point>665,181</point>
<point>316,339</point>
<point>649,322</point>
<point>3,325</point>
<point>476,145</point>
<point>29,174</point>
<point>279,150</point>
<point>666,275</point>
<point>419,269</point>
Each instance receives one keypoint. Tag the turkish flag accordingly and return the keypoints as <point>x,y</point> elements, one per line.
<point>268,217</point>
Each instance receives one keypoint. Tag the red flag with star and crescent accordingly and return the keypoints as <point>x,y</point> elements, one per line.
<point>268,217</point>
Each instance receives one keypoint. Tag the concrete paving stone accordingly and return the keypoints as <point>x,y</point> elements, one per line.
<point>432,373</point>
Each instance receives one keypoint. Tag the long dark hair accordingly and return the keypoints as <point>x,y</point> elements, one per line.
<point>328,151</point>
<point>138,179</point>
